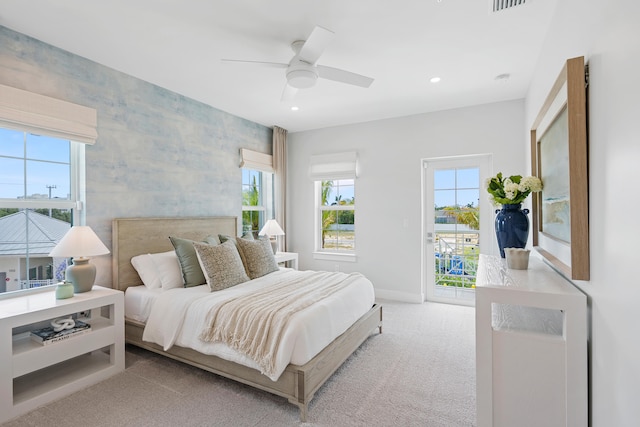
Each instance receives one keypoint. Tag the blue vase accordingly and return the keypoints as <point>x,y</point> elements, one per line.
<point>512,227</point>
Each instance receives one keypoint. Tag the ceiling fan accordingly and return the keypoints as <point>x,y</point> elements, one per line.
<point>303,71</point>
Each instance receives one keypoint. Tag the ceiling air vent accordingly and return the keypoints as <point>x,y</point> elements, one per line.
<point>499,5</point>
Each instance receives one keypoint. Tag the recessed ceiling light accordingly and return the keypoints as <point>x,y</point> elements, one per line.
<point>294,108</point>
<point>434,79</point>
<point>503,78</point>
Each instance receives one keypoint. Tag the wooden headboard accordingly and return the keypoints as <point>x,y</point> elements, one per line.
<point>135,236</point>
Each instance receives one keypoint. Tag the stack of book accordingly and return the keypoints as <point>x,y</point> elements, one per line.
<point>47,335</point>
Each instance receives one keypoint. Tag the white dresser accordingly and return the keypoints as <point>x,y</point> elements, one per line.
<point>531,347</point>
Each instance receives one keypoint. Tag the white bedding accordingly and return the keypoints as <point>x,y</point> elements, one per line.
<point>138,301</point>
<point>178,317</point>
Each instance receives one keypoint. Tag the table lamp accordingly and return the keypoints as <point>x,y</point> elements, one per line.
<point>273,230</point>
<point>79,243</point>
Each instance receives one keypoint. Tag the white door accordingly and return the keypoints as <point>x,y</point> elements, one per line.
<point>456,224</point>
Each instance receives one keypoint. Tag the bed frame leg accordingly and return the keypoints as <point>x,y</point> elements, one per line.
<point>303,407</point>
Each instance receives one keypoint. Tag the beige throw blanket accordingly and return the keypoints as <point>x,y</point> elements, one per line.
<point>253,324</point>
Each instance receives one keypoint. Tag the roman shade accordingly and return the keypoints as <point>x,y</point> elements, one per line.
<point>256,161</point>
<point>32,112</point>
<point>334,166</point>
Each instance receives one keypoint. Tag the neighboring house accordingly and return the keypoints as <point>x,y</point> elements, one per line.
<point>36,233</point>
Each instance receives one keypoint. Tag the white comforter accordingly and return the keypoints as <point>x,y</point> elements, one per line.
<point>179,315</point>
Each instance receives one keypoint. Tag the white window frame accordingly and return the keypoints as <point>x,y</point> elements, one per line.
<point>77,188</point>
<point>321,253</point>
<point>263,164</point>
<point>331,167</point>
<point>29,112</point>
<point>266,198</point>
<point>75,203</point>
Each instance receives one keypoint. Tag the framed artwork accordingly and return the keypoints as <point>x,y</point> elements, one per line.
<point>560,220</point>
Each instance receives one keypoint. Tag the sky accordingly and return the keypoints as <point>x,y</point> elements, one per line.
<point>342,189</point>
<point>456,187</point>
<point>46,160</point>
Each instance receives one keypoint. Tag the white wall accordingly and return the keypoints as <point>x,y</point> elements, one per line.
<point>388,190</point>
<point>608,35</point>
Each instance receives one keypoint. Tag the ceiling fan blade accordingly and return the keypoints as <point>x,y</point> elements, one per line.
<point>262,63</point>
<point>317,41</point>
<point>343,76</point>
<point>288,93</point>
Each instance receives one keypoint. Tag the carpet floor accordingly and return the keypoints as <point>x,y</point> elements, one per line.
<point>419,372</point>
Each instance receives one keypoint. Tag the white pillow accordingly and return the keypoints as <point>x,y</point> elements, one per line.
<point>147,270</point>
<point>168,269</point>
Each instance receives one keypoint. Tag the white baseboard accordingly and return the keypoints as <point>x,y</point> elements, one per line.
<point>399,296</point>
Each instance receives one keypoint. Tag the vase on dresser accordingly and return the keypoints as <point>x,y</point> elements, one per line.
<point>512,227</point>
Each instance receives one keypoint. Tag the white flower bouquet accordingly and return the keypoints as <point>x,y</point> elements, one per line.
<point>512,190</point>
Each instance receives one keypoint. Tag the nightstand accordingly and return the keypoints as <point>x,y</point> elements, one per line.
<point>33,374</point>
<point>284,257</point>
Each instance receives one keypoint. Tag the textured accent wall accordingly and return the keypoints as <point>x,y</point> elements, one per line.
<point>158,153</point>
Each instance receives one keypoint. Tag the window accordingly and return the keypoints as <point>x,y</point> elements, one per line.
<point>336,201</point>
<point>335,176</point>
<point>257,199</point>
<point>42,143</point>
<point>39,181</point>
<point>257,189</point>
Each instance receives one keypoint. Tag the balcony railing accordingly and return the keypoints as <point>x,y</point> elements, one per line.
<point>456,262</point>
<point>28,284</point>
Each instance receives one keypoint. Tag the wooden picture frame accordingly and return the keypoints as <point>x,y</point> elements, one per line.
<point>560,220</point>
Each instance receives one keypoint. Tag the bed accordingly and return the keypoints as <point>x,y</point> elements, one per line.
<point>297,383</point>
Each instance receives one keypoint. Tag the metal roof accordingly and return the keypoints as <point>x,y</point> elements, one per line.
<point>43,233</point>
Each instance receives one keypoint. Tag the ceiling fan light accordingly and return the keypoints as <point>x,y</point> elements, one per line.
<point>301,79</point>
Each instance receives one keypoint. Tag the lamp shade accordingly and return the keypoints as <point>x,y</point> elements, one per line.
<point>271,228</point>
<point>80,241</point>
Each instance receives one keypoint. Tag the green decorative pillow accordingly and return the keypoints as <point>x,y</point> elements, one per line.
<point>191,271</point>
<point>248,235</point>
<point>212,240</point>
<point>223,238</point>
<point>221,265</point>
<point>258,257</point>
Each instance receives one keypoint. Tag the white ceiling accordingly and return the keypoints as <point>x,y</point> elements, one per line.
<point>179,44</point>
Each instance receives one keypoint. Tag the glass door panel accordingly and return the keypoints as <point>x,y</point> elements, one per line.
<point>452,220</point>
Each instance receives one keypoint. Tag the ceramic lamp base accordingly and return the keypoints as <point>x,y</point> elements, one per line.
<point>81,274</point>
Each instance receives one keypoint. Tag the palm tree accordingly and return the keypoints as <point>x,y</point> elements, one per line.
<point>469,215</point>
<point>251,197</point>
<point>328,217</point>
